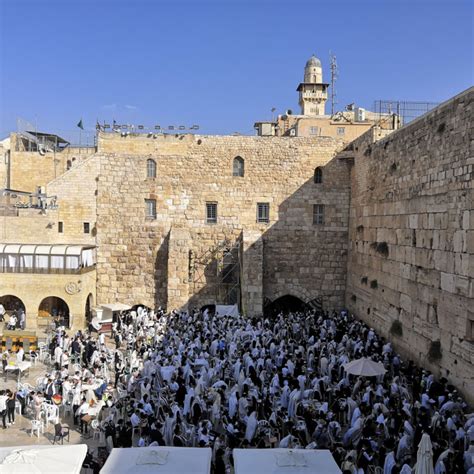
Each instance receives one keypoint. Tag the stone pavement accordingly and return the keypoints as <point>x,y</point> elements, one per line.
<point>19,434</point>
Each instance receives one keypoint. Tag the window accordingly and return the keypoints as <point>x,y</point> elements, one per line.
<point>313,130</point>
<point>87,228</point>
<point>318,214</point>
<point>318,175</point>
<point>150,168</point>
<point>60,227</point>
<point>68,165</point>
<point>263,212</point>
<point>238,167</point>
<point>341,130</point>
<point>150,208</point>
<point>211,212</point>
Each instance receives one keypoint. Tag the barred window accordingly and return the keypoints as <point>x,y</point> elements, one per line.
<point>318,175</point>
<point>313,130</point>
<point>318,214</point>
<point>263,212</point>
<point>150,208</point>
<point>238,166</point>
<point>150,168</point>
<point>341,130</point>
<point>211,212</point>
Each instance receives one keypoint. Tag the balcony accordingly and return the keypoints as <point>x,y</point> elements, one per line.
<point>47,259</point>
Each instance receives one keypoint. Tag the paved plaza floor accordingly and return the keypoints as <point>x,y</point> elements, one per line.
<point>19,434</point>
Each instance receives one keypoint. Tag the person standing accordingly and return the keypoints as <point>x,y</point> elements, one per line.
<point>11,407</point>
<point>3,407</point>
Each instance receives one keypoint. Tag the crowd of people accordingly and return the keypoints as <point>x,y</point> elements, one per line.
<point>196,379</point>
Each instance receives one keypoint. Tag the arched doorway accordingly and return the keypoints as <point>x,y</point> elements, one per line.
<point>13,306</point>
<point>285,304</point>
<point>89,305</point>
<point>53,309</point>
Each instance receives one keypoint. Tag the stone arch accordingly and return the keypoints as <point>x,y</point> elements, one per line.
<point>290,289</point>
<point>14,305</point>
<point>53,308</point>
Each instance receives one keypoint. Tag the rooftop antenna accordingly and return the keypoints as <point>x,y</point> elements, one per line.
<point>273,114</point>
<point>334,76</point>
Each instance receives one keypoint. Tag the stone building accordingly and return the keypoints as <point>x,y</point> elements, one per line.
<point>376,220</point>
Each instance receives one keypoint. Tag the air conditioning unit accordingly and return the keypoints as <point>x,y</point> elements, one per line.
<point>292,132</point>
<point>359,114</point>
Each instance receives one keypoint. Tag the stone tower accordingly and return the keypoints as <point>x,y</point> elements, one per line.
<point>313,91</point>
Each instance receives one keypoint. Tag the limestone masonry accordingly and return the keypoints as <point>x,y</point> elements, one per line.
<point>377,220</point>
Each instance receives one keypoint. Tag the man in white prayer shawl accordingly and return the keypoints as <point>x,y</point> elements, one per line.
<point>251,428</point>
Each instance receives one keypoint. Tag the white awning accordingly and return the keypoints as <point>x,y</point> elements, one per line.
<point>39,249</point>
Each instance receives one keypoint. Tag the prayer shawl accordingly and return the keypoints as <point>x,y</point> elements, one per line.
<point>251,429</point>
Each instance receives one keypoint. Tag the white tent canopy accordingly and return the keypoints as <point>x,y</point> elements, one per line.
<point>285,461</point>
<point>41,459</point>
<point>162,460</point>
<point>227,310</point>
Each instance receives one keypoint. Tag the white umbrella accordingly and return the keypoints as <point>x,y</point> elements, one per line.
<point>366,367</point>
<point>424,457</point>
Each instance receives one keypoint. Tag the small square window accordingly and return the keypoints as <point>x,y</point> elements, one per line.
<point>318,214</point>
<point>150,208</point>
<point>341,130</point>
<point>313,130</point>
<point>87,228</point>
<point>211,212</point>
<point>263,212</point>
<point>60,227</point>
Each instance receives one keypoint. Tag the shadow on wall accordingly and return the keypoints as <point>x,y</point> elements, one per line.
<point>297,261</point>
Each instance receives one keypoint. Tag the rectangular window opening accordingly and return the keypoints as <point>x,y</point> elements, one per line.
<point>341,130</point>
<point>150,208</point>
<point>318,214</point>
<point>87,228</point>
<point>263,212</point>
<point>60,227</point>
<point>211,212</point>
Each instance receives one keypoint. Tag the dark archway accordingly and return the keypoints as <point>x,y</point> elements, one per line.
<point>285,304</point>
<point>211,308</point>
<point>54,309</point>
<point>14,306</point>
<point>89,305</point>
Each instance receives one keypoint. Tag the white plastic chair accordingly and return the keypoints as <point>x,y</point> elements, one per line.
<point>37,426</point>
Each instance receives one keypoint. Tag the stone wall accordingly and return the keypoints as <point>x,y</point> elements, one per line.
<point>411,254</point>
<point>29,169</point>
<point>76,190</point>
<point>193,170</point>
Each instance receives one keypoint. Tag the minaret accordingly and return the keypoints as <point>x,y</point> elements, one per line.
<point>313,91</point>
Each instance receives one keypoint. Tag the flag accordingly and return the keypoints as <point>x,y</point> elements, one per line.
<point>80,125</point>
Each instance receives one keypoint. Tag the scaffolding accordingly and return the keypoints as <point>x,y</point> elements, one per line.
<point>222,262</point>
<point>403,111</point>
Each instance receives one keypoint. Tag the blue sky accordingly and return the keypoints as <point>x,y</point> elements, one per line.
<point>220,64</point>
